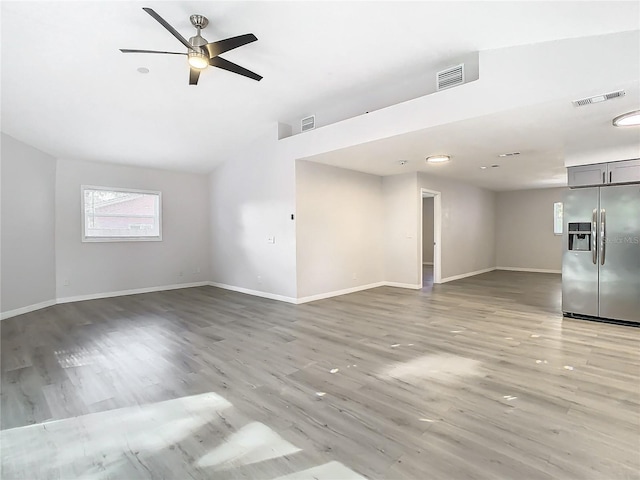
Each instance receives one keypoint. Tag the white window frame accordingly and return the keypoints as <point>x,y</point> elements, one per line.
<point>156,238</point>
<point>558,220</point>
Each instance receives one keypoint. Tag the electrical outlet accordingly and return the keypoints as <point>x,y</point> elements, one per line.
<point>197,270</point>
<point>259,278</point>
<point>66,282</point>
<point>355,276</point>
<point>180,273</point>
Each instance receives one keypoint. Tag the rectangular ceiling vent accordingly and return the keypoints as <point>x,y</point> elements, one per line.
<point>451,77</point>
<point>598,98</point>
<point>308,123</point>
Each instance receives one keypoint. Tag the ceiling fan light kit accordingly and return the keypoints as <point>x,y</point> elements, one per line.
<point>200,54</point>
<point>198,60</point>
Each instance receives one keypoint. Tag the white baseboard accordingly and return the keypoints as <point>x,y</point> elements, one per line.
<point>256,293</point>
<point>468,274</point>
<point>427,263</point>
<point>94,296</point>
<point>135,291</point>
<point>336,293</point>
<point>412,286</point>
<point>27,309</point>
<point>534,270</point>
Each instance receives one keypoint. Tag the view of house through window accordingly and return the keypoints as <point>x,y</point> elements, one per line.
<point>120,214</point>
<point>557,218</point>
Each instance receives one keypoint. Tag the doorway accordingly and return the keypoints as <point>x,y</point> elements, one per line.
<point>430,253</point>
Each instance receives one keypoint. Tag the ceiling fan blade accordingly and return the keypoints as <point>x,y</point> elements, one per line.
<point>194,74</point>
<point>232,67</point>
<point>166,25</point>
<point>221,46</point>
<point>128,50</point>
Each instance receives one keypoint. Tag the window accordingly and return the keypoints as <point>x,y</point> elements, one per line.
<point>118,214</point>
<point>557,218</point>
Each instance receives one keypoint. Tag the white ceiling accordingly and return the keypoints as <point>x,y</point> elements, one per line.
<point>67,90</point>
<point>543,134</point>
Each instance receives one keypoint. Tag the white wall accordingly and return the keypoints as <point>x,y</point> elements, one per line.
<point>401,239</point>
<point>99,268</point>
<point>28,225</point>
<point>468,226</point>
<point>524,230</point>
<point>253,198</point>
<point>427,230</point>
<point>339,229</point>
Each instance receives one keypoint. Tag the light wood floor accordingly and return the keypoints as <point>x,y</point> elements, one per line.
<point>478,378</point>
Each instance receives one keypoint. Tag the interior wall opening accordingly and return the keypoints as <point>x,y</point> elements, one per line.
<point>430,252</point>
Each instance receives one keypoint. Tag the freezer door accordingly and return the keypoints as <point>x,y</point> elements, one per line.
<point>620,255</point>
<point>580,265</point>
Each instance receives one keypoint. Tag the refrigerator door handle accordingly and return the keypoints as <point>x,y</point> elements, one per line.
<point>594,241</point>
<point>603,234</point>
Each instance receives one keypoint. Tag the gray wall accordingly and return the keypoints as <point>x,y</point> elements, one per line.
<point>524,230</point>
<point>252,198</point>
<point>98,268</point>
<point>339,229</point>
<point>427,230</point>
<point>400,233</point>
<point>28,225</point>
<point>468,226</point>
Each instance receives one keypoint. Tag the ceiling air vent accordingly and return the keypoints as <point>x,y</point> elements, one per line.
<point>598,98</point>
<point>308,123</point>
<point>450,77</point>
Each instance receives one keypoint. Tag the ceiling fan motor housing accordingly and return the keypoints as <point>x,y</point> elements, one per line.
<point>198,41</point>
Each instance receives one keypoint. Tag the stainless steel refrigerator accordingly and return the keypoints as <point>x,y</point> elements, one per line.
<point>601,258</point>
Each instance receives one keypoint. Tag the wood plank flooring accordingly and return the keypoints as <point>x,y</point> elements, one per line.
<point>479,378</point>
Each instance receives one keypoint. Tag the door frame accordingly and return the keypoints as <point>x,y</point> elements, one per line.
<point>437,233</point>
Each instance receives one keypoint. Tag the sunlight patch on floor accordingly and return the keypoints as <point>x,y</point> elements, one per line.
<point>441,367</point>
<point>253,443</point>
<point>180,438</point>
<point>328,471</point>
<point>96,445</point>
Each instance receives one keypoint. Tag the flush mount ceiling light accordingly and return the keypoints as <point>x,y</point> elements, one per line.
<point>143,70</point>
<point>630,119</point>
<point>438,158</point>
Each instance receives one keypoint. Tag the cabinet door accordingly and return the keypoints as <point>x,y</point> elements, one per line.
<point>587,175</point>
<point>626,171</point>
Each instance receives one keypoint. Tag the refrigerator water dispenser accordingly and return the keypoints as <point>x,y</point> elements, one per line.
<point>580,236</point>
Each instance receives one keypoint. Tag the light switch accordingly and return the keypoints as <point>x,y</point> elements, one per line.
<point>271,239</point>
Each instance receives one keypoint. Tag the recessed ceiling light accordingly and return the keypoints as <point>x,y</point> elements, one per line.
<point>438,158</point>
<point>511,154</point>
<point>630,119</point>
<point>483,168</point>
<point>143,70</point>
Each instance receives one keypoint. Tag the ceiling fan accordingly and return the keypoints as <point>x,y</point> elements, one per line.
<point>201,54</point>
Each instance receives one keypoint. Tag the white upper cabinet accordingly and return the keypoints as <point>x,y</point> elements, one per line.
<point>627,171</point>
